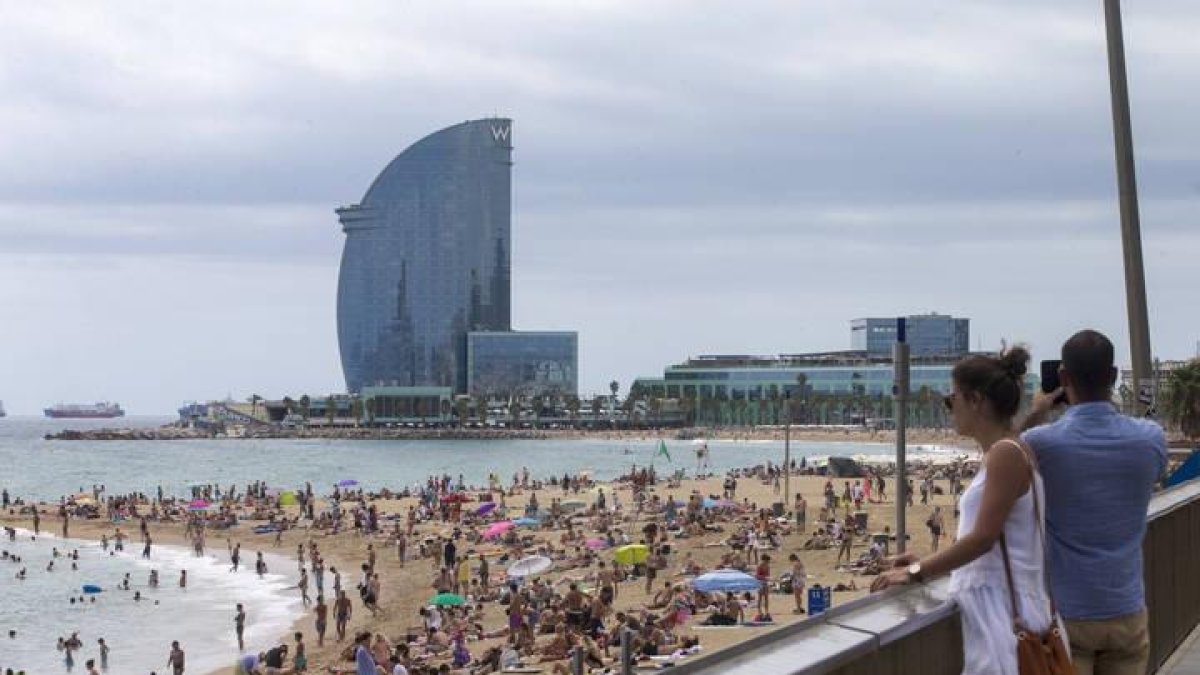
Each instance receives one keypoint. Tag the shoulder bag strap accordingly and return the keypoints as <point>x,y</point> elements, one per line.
<point>1012,587</point>
<point>1037,520</point>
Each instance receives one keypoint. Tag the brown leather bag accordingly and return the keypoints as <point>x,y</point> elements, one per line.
<point>1037,653</point>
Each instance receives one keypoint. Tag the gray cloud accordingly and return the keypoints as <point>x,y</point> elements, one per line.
<point>691,176</point>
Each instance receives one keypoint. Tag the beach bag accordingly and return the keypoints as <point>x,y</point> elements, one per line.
<point>1037,653</point>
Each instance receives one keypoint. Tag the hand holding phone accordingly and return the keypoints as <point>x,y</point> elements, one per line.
<point>1050,380</point>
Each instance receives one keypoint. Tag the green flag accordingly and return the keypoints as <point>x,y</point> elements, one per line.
<point>662,449</point>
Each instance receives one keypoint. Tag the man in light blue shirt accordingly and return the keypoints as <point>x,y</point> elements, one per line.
<point>1099,469</point>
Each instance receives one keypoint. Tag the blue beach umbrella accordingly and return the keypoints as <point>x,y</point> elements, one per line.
<point>726,581</point>
<point>347,482</point>
<point>526,522</point>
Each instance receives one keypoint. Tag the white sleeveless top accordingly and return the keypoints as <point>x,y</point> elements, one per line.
<point>1024,544</point>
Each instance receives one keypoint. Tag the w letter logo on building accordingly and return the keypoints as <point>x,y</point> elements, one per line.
<point>501,134</point>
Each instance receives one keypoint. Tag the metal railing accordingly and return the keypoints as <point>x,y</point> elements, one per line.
<point>916,629</point>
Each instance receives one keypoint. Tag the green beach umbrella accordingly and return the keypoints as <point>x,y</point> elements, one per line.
<point>444,599</point>
<point>662,449</point>
<point>632,554</point>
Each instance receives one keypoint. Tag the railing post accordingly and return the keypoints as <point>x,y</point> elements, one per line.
<point>577,661</point>
<point>626,651</point>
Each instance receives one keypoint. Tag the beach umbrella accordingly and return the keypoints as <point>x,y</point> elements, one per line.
<point>631,554</point>
<point>572,505</point>
<point>534,564</point>
<point>526,522</point>
<point>347,482</point>
<point>198,504</point>
<point>496,529</point>
<point>709,503</point>
<point>727,504</point>
<point>596,543</point>
<point>287,498</point>
<point>726,581</point>
<point>455,497</point>
<point>444,599</point>
<point>485,508</point>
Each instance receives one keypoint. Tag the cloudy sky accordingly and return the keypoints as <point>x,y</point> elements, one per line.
<point>691,177</point>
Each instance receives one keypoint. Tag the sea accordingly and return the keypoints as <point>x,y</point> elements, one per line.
<point>201,617</point>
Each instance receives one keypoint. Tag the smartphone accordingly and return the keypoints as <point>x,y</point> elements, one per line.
<point>1050,380</point>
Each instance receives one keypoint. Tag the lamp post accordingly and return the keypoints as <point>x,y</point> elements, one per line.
<point>900,357</point>
<point>1131,235</point>
<point>787,448</point>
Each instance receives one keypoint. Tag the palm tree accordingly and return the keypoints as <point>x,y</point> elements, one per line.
<point>537,404</point>
<point>1181,404</point>
<point>481,410</point>
<point>462,411</point>
<point>573,410</point>
<point>514,413</point>
<point>288,404</point>
<point>330,409</point>
<point>356,410</point>
<point>305,406</point>
<point>369,406</point>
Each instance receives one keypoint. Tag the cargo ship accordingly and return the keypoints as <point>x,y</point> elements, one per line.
<point>102,410</point>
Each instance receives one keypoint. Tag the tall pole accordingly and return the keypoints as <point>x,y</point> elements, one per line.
<point>900,358</point>
<point>1131,233</point>
<point>787,449</point>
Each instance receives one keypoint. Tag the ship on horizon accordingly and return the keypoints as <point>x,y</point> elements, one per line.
<point>102,410</point>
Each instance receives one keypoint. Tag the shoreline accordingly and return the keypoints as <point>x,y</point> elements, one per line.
<point>87,534</point>
<point>759,433</point>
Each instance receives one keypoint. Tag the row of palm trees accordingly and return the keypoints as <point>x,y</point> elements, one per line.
<point>1179,407</point>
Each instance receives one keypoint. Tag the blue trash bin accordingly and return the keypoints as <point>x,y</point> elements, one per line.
<point>819,599</point>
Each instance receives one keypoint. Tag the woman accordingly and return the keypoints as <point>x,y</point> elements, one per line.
<point>1000,502</point>
<point>799,575</point>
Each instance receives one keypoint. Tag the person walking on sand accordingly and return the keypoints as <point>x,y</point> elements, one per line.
<point>303,586</point>
<point>239,625</point>
<point>235,556</point>
<point>341,613</point>
<point>997,563</point>
<point>936,523</point>
<point>322,613</point>
<point>1096,516</point>
<point>176,658</point>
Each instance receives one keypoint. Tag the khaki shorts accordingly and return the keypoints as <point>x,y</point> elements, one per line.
<point>1117,646</point>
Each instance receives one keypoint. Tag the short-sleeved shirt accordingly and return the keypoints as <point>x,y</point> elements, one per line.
<point>364,664</point>
<point>1099,469</point>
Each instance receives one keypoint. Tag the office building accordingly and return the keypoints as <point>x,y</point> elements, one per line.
<point>927,335</point>
<point>523,364</point>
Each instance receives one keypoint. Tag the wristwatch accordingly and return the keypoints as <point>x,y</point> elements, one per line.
<point>914,572</point>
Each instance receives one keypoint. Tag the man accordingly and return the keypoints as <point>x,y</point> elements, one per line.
<point>1099,469</point>
<point>239,624</point>
<point>175,658</point>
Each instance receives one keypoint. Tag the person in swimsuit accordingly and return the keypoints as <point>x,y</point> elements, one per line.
<point>239,624</point>
<point>322,612</point>
<point>341,613</point>
<point>176,658</point>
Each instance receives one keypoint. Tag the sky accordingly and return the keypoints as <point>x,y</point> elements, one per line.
<point>690,177</point>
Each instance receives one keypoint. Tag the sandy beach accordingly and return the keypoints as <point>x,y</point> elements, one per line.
<point>405,590</point>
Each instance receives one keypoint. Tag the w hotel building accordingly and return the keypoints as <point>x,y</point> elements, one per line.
<point>427,263</point>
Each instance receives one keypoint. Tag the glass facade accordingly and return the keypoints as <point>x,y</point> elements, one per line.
<point>755,383</point>
<point>927,335</point>
<point>427,259</point>
<point>522,363</point>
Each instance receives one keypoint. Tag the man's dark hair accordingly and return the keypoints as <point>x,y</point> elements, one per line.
<point>1088,358</point>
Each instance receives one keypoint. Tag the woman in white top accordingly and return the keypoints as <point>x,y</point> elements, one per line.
<point>998,503</point>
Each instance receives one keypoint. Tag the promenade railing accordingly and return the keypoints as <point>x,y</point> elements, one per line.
<point>916,629</point>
